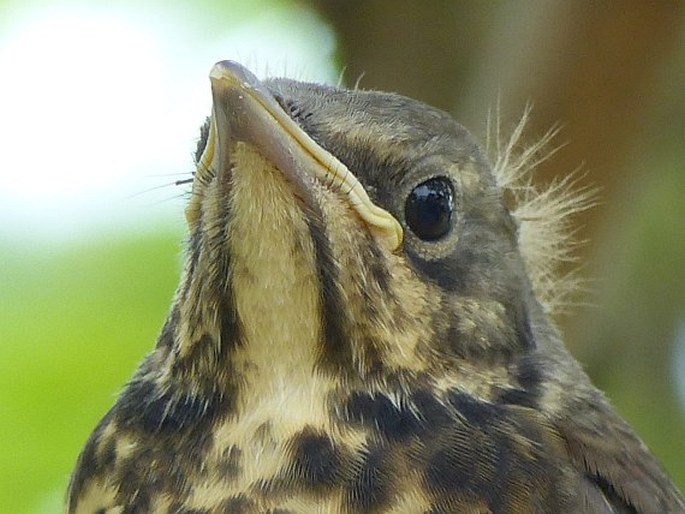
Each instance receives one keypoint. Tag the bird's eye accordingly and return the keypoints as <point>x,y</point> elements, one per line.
<point>428,209</point>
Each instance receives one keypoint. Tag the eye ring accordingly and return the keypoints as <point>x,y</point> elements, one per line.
<point>429,208</point>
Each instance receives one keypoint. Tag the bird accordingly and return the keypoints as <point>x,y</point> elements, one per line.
<point>364,324</point>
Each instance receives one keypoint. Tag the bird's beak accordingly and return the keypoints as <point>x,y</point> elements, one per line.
<point>244,110</point>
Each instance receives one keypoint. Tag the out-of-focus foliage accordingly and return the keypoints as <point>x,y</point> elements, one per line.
<point>78,312</point>
<point>628,335</point>
<point>73,324</point>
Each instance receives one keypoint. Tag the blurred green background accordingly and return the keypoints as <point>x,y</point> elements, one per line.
<point>99,108</point>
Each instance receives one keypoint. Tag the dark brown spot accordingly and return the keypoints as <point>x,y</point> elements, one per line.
<point>180,509</point>
<point>315,460</point>
<point>612,495</point>
<point>379,269</point>
<point>263,433</point>
<point>166,337</point>
<point>518,397</point>
<point>88,465</point>
<point>528,373</point>
<point>372,484</point>
<point>107,452</point>
<point>146,406</point>
<point>397,422</point>
<point>194,250</point>
<point>230,464</point>
<point>378,412</point>
<point>239,504</point>
<point>229,326</point>
<point>336,353</point>
<point>529,378</point>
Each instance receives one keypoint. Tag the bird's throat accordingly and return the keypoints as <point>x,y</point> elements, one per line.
<point>273,276</point>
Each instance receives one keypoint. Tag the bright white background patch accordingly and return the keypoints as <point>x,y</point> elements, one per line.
<point>101,107</point>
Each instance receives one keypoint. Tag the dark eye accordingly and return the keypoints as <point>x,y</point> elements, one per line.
<point>428,209</point>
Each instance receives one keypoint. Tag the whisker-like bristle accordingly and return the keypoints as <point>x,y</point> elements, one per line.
<point>544,214</point>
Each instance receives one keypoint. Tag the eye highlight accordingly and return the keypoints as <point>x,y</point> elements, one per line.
<point>428,208</point>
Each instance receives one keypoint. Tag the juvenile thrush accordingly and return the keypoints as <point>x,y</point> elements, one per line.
<point>361,326</point>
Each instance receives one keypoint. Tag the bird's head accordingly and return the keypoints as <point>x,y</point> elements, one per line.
<point>357,234</point>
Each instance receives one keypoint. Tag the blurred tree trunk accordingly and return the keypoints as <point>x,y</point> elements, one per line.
<point>599,69</point>
<point>425,50</point>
